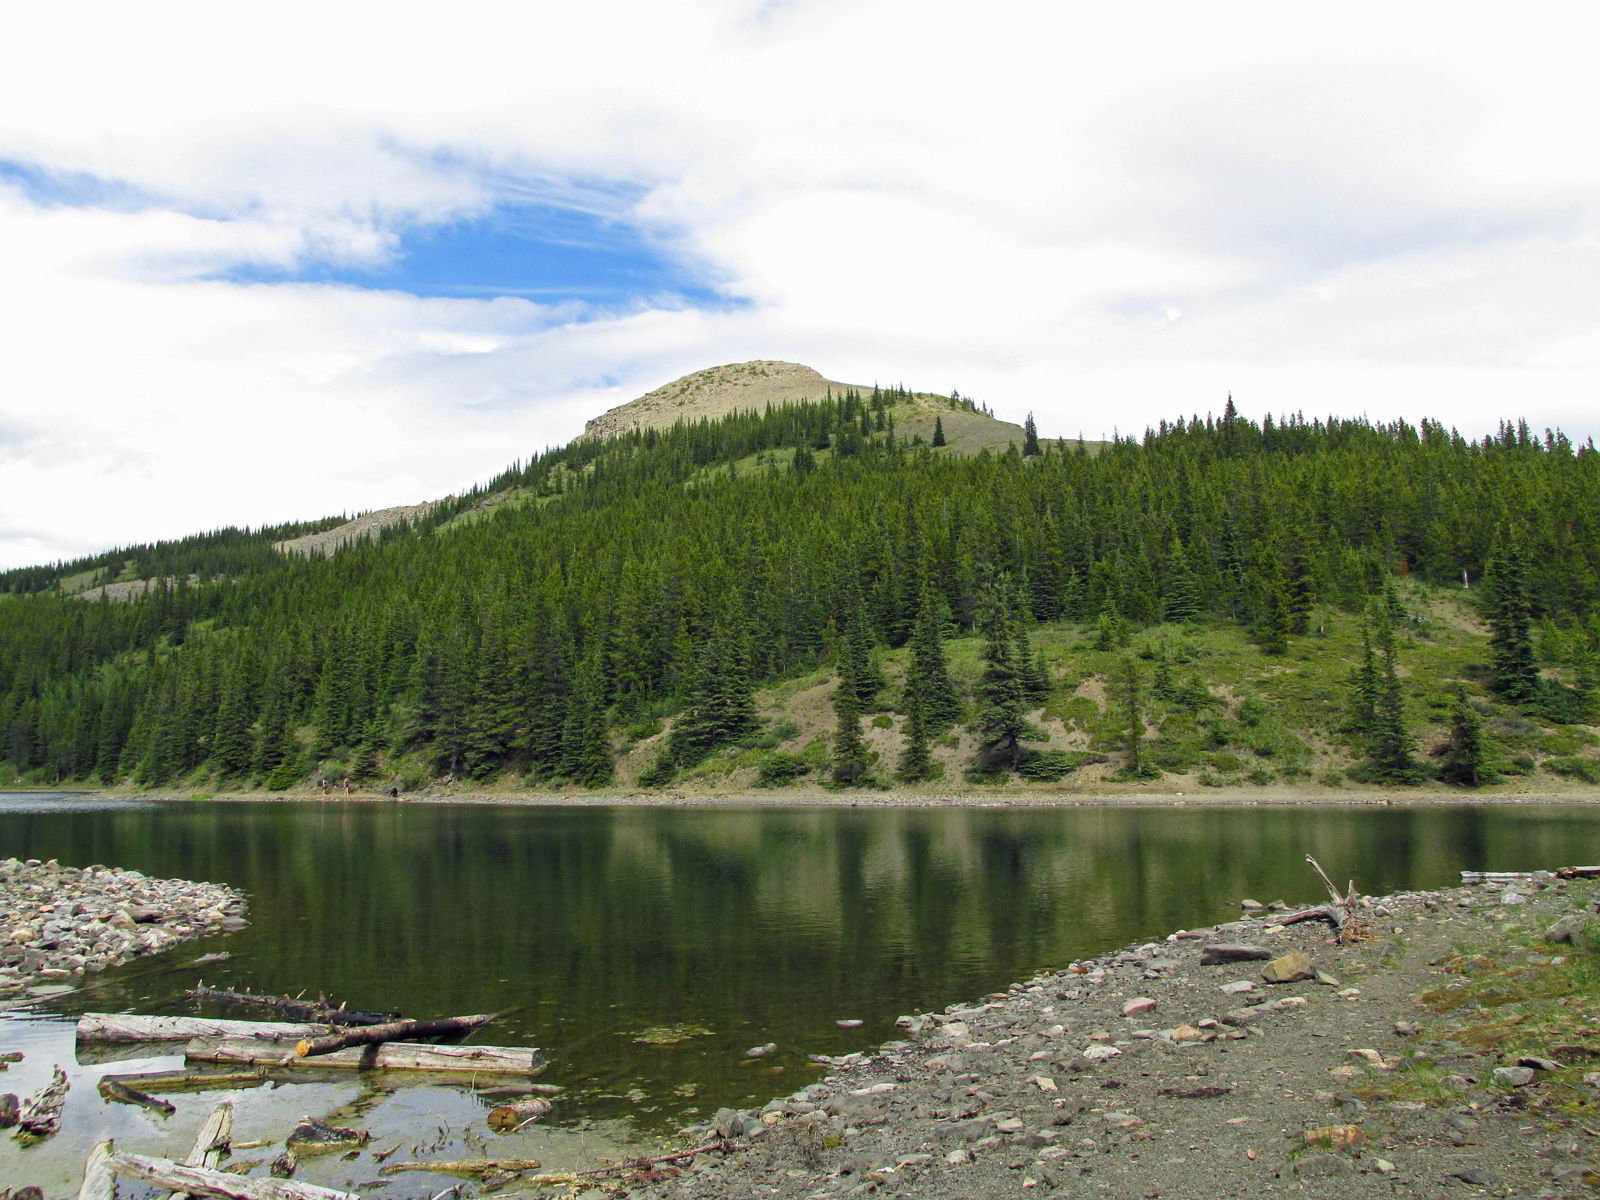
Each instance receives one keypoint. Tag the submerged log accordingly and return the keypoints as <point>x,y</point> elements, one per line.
<point>190,1081</point>
<point>115,1090</point>
<point>499,1060</point>
<point>393,1031</point>
<point>297,1006</point>
<point>200,1181</point>
<point>131,1027</point>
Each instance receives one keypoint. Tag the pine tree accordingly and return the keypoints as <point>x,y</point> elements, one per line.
<point>1131,700</point>
<point>1464,760</point>
<point>1362,711</point>
<point>849,749</point>
<point>1513,673</point>
<point>928,687</point>
<point>1030,438</point>
<point>1001,698</point>
<point>720,708</point>
<point>586,750</point>
<point>938,431</point>
<point>916,760</point>
<point>1180,594</point>
<point>1389,749</point>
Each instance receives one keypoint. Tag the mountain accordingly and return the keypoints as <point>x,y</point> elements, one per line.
<point>809,590</point>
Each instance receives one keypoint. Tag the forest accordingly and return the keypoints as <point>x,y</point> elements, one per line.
<point>635,612</point>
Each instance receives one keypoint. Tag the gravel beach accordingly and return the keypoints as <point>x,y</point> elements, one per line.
<point>59,923</point>
<point>1159,1072</point>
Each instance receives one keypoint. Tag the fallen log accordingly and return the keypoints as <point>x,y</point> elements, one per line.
<point>212,1143</point>
<point>99,1181</point>
<point>393,1031</point>
<point>1521,876</point>
<point>115,1090</point>
<point>41,1112</point>
<point>190,1081</point>
<point>471,1166</point>
<point>1334,914</point>
<point>298,1007</point>
<point>131,1027</point>
<point>200,1181</point>
<point>482,1060</point>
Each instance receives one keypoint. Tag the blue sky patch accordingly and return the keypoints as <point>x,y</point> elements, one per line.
<point>546,253</point>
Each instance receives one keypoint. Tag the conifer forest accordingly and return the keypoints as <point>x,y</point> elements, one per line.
<point>809,594</point>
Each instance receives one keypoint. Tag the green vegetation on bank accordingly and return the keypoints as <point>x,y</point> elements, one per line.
<point>819,592</point>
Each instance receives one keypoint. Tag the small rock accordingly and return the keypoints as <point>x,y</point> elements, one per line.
<point>1538,1064</point>
<point>762,1051</point>
<point>1472,1175</point>
<point>1139,1004</point>
<point>849,1023</point>
<point>1121,1120</point>
<point>1327,980</point>
<point>1098,1053</point>
<point>1383,1166</point>
<point>1514,1076</point>
<point>1238,987</point>
<point>1251,905</point>
<point>729,1123</point>
<point>1291,968</point>
<point>1513,898</point>
<point>1321,1166</point>
<point>1335,1137</point>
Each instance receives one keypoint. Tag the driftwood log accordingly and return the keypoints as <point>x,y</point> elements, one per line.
<point>1519,876</point>
<point>297,1007</point>
<point>212,1143</point>
<point>201,1181</point>
<point>115,1090</point>
<point>99,1180</point>
<point>131,1027</point>
<point>188,1081</point>
<point>41,1112</point>
<point>470,1166</point>
<point>393,1031</point>
<point>407,1056</point>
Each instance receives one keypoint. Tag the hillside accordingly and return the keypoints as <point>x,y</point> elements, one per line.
<point>815,593</point>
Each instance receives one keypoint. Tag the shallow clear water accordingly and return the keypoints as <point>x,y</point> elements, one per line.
<point>645,949</point>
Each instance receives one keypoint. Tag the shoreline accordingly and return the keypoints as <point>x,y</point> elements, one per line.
<point>1151,1071</point>
<point>1242,797</point>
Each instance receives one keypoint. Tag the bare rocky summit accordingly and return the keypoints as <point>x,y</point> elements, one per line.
<point>716,392</point>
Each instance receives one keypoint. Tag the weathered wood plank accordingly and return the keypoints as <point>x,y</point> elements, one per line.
<point>131,1027</point>
<point>392,1056</point>
<point>199,1181</point>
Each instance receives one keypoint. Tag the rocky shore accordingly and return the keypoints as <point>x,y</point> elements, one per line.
<point>1450,1048</point>
<point>59,923</point>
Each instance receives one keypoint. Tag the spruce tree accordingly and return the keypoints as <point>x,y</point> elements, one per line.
<point>916,760</point>
<point>928,686</point>
<point>849,749</point>
<point>1389,748</point>
<point>586,750</point>
<point>938,431</point>
<point>720,708</point>
<point>1464,760</point>
<point>1512,670</point>
<point>1130,699</point>
<point>1001,698</point>
<point>1030,438</point>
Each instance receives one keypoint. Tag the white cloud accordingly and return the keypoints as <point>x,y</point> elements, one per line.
<point>1107,215</point>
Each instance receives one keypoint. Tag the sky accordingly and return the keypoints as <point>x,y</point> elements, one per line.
<point>270,263</point>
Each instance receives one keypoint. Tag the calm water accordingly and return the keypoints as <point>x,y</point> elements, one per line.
<point>646,949</point>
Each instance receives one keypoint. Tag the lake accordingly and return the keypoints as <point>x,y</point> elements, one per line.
<point>646,949</point>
